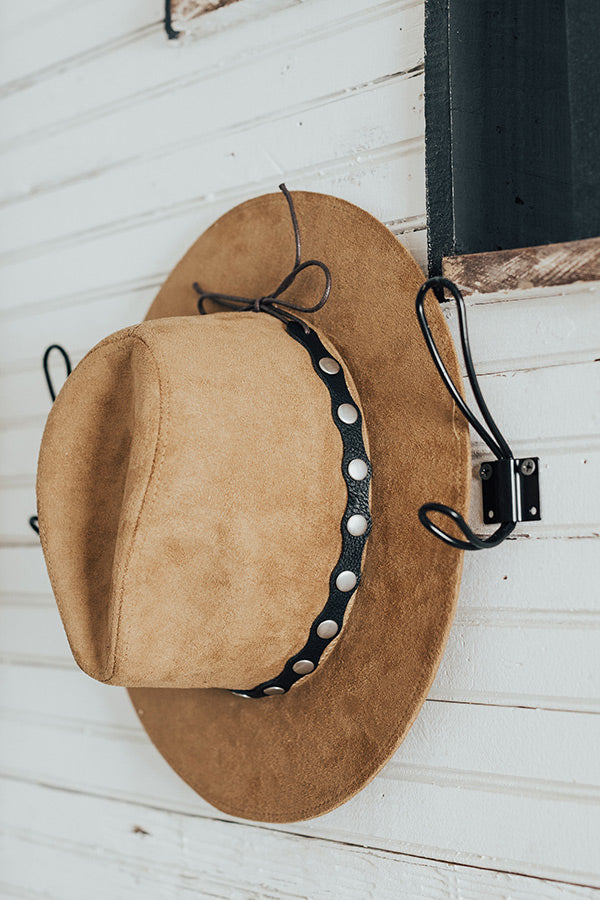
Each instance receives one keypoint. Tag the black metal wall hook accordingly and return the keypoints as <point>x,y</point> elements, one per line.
<point>172,33</point>
<point>510,487</point>
<point>46,367</point>
<point>33,520</point>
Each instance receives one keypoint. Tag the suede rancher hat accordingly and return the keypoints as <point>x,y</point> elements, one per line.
<point>228,507</point>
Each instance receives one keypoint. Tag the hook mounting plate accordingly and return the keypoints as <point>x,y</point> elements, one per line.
<point>510,490</point>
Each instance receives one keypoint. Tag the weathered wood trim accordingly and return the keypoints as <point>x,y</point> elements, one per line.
<point>526,267</point>
<point>192,9</point>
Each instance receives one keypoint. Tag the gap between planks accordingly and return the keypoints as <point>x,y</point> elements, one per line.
<point>572,532</point>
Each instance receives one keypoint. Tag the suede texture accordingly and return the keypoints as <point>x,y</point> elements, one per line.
<point>213,559</point>
<point>297,755</point>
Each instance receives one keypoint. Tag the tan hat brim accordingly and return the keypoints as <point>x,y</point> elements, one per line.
<point>301,754</point>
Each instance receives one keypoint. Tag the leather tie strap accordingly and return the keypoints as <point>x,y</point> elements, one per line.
<point>272,303</point>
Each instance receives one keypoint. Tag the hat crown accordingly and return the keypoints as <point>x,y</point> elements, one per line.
<point>190,498</point>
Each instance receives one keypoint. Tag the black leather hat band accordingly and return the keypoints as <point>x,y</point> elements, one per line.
<point>355,524</point>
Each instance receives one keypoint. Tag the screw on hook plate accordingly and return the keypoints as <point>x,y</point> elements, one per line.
<point>527,467</point>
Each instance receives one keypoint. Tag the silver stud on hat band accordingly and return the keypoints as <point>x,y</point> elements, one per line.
<point>358,469</point>
<point>303,666</point>
<point>346,581</point>
<point>357,525</point>
<point>327,629</point>
<point>329,365</point>
<point>347,413</point>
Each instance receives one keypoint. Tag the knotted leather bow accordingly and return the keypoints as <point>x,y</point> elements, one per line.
<point>272,303</point>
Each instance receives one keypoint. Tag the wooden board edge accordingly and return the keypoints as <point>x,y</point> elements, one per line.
<point>526,267</point>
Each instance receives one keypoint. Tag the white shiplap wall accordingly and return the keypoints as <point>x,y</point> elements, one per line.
<point>116,150</point>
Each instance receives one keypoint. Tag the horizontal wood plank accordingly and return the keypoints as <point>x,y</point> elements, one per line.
<point>487,821</point>
<point>263,150</point>
<point>519,330</point>
<point>117,144</point>
<point>490,747</point>
<point>144,245</point>
<point>120,849</point>
<point>211,16</point>
<point>54,37</point>
<point>22,17</point>
<point>149,72</point>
